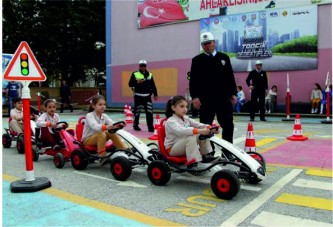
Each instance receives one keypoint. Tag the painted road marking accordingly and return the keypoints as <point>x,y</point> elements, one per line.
<point>306,201</point>
<point>284,220</point>
<point>251,207</point>
<point>207,181</point>
<point>265,141</point>
<point>121,183</point>
<point>313,184</point>
<point>128,214</point>
<point>320,173</point>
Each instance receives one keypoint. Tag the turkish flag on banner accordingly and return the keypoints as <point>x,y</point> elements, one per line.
<point>153,12</point>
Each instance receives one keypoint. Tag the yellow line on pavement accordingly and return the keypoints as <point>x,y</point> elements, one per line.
<point>265,141</point>
<point>273,146</point>
<point>306,201</point>
<point>320,173</point>
<point>146,219</point>
<point>299,167</point>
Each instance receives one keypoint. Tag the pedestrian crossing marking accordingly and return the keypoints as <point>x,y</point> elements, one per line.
<point>265,141</point>
<point>320,173</point>
<point>284,220</point>
<point>313,184</point>
<point>306,201</point>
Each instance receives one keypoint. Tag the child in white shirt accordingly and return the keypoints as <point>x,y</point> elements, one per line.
<point>182,133</point>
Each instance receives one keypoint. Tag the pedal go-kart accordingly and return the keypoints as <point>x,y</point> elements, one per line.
<point>226,172</point>
<point>9,136</point>
<point>121,161</point>
<point>60,157</point>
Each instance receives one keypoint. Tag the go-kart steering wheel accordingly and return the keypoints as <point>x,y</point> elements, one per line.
<point>211,134</point>
<point>58,129</point>
<point>117,126</point>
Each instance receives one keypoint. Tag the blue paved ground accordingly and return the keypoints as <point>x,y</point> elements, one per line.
<point>55,212</point>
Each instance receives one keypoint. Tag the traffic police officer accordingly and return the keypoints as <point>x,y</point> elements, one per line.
<point>143,86</point>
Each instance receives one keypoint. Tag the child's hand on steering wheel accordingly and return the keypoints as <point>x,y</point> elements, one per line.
<point>204,131</point>
<point>110,126</point>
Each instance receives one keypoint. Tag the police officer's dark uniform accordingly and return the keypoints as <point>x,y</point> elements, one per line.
<point>143,85</point>
<point>257,81</point>
<point>212,82</point>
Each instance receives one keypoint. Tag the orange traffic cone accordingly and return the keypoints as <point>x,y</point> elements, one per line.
<point>129,117</point>
<point>250,143</point>
<point>125,109</point>
<point>157,125</point>
<point>297,136</point>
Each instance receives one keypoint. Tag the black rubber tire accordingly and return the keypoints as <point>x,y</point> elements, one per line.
<point>59,160</point>
<point>159,173</point>
<point>79,160</point>
<point>20,144</point>
<point>225,184</point>
<point>35,155</point>
<point>6,141</point>
<point>120,168</point>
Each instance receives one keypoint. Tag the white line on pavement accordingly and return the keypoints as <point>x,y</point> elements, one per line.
<point>251,207</point>
<point>121,183</point>
<point>271,219</point>
<point>313,184</point>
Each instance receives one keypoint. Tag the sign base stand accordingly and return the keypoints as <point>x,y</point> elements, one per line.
<point>22,185</point>
<point>327,121</point>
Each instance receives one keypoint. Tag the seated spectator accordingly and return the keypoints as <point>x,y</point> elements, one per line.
<point>316,97</point>
<point>271,100</point>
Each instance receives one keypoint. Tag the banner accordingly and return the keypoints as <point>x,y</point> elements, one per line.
<point>5,61</point>
<point>284,39</point>
<point>162,12</point>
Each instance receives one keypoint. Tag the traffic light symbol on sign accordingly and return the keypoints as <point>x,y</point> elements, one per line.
<point>24,64</point>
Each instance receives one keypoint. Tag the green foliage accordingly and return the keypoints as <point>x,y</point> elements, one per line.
<point>62,34</point>
<point>305,44</point>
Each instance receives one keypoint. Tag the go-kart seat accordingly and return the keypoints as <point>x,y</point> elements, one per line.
<point>79,132</point>
<point>165,153</point>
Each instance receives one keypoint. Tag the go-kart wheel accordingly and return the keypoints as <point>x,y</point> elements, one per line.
<point>120,168</point>
<point>20,144</point>
<point>6,141</point>
<point>225,184</point>
<point>59,160</point>
<point>159,173</point>
<point>79,160</point>
<point>35,155</point>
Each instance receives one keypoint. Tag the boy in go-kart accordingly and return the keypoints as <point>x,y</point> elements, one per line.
<point>182,134</point>
<point>16,115</point>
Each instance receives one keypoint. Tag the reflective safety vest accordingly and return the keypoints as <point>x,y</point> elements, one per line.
<point>139,76</point>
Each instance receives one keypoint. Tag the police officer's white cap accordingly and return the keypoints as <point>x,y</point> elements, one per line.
<point>206,37</point>
<point>142,62</point>
<point>258,62</point>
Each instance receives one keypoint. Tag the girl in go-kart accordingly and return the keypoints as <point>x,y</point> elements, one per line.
<point>182,133</point>
<point>97,124</point>
<point>47,121</point>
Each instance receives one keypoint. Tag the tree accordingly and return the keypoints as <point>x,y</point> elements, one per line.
<point>62,34</point>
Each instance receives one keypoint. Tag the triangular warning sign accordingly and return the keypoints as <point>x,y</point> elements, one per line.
<point>24,66</point>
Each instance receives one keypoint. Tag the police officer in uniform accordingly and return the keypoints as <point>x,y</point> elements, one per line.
<point>213,87</point>
<point>143,86</point>
<point>257,82</point>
